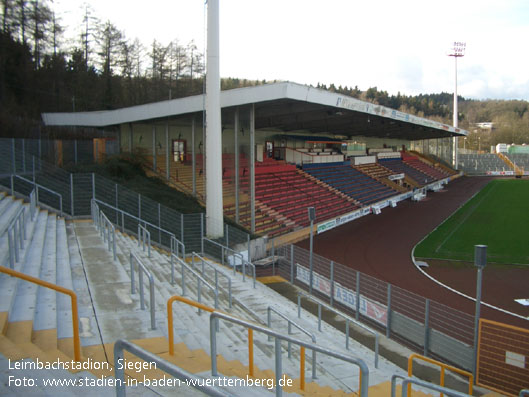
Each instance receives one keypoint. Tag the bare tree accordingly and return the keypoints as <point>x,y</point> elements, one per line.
<point>40,19</point>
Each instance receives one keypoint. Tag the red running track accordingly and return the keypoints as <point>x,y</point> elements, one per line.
<point>381,245</point>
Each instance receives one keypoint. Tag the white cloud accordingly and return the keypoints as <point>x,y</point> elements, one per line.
<point>396,46</point>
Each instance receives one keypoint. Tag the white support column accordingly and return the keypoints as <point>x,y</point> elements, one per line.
<point>252,167</point>
<point>131,137</point>
<point>236,151</point>
<point>193,157</point>
<point>214,205</point>
<point>167,151</point>
<point>154,147</point>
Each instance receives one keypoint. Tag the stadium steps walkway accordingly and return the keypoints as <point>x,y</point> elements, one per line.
<point>105,305</point>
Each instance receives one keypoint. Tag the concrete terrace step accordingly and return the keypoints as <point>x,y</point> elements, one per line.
<point>118,314</point>
<point>21,312</point>
<point>233,337</point>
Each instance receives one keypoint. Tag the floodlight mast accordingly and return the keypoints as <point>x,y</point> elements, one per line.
<point>457,51</point>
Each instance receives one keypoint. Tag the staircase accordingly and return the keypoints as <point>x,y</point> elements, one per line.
<point>36,324</point>
<point>517,170</point>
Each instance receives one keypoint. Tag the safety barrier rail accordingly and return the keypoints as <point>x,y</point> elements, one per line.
<point>406,387</point>
<point>443,367</point>
<point>144,238</point>
<point>33,204</point>
<point>137,219</point>
<point>214,326</point>
<point>36,188</point>
<point>269,311</point>
<point>176,245</point>
<point>119,372</point>
<point>105,227</point>
<point>344,316</point>
<point>200,280</point>
<point>234,254</point>
<point>58,288</point>
<point>142,269</point>
<point>16,234</point>
<point>216,315</point>
<point>217,272</point>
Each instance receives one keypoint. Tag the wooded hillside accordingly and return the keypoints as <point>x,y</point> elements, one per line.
<point>41,71</point>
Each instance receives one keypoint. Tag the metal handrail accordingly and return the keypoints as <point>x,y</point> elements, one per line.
<point>269,311</point>
<point>170,330</point>
<point>139,220</point>
<point>200,280</point>
<point>217,272</point>
<point>108,229</point>
<point>58,288</point>
<point>37,187</point>
<point>16,234</point>
<point>176,244</point>
<point>32,204</point>
<point>105,227</point>
<point>142,269</point>
<point>144,237</point>
<point>215,315</point>
<point>235,254</point>
<point>443,366</point>
<point>406,386</point>
<point>339,313</point>
<point>161,364</point>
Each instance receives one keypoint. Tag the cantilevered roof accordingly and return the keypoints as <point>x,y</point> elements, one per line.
<point>283,107</point>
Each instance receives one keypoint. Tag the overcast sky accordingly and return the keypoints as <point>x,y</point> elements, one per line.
<point>393,45</point>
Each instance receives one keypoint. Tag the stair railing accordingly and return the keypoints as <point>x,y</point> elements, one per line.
<point>104,226</point>
<point>188,379</point>
<point>62,290</point>
<point>291,323</point>
<point>200,280</point>
<point>214,328</point>
<point>347,319</point>
<point>144,238</point>
<point>178,247</point>
<point>443,367</point>
<point>16,234</point>
<point>237,259</point>
<point>205,264</point>
<point>36,188</point>
<point>143,269</point>
<point>407,382</point>
<point>216,316</point>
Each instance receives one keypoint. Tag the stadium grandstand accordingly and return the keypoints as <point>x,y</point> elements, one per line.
<point>79,252</point>
<point>293,129</point>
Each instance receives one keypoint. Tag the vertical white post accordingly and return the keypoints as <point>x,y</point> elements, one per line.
<point>167,149</point>
<point>154,148</point>
<point>252,167</point>
<point>193,157</point>
<point>236,151</point>
<point>214,205</point>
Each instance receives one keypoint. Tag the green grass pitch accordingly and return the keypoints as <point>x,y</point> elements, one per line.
<point>498,216</point>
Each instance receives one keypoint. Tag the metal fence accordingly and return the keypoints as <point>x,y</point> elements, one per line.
<point>121,205</point>
<point>61,152</point>
<point>431,327</point>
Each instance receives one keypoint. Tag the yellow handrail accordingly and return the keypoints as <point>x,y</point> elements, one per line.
<point>170,316</point>
<point>443,367</point>
<point>73,297</point>
<point>170,335</point>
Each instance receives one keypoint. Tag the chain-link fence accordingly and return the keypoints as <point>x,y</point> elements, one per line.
<point>436,330</point>
<point>71,193</point>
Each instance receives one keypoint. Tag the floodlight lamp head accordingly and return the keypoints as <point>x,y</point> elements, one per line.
<point>458,49</point>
